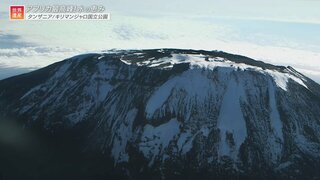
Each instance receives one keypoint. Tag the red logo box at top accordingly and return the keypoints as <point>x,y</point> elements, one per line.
<point>17,12</point>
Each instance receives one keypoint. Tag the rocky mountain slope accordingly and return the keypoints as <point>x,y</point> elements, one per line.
<point>171,113</point>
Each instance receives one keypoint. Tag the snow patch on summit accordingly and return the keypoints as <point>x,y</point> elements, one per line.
<point>276,123</point>
<point>184,142</point>
<point>282,79</point>
<point>155,140</point>
<point>232,125</point>
<point>122,137</point>
<point>192,82</point>
<point>204,61</point>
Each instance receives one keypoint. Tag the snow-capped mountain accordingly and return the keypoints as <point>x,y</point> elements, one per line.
<point>170,113</point>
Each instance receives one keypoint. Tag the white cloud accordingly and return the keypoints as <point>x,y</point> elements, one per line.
<point>129,32</point>
<point>16,61</point>
<point>34,57</point>
<point>12,41</point>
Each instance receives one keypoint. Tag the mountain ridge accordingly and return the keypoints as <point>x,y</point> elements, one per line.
<point>170,111</point>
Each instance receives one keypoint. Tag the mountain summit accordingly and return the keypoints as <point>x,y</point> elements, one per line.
<point>172,113</point>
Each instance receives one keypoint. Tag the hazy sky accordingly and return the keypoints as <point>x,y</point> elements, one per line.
<point>284,32</point>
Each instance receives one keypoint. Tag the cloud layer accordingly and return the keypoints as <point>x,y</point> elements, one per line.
<point>262,30</point>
